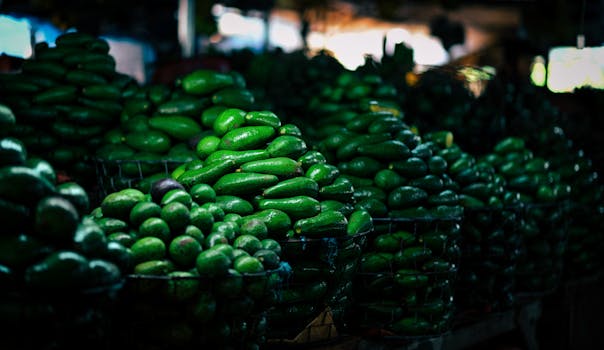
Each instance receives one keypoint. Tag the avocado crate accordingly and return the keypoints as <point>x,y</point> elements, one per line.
<point>544,234</point>
<point>322,270</point>
<point>490,246</point>
<point>53,319</point>
<point>184,312</point>
<point>405,283</point>
<point>116,175</point>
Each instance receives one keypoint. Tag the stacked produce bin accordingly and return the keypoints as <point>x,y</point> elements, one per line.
<point>487,273</point>
<point>313,304</point>
<point>489,239</point>
<point>584,205</point>
<point>544,228</point>
<point>406,280</point>
<point>406,277</point>
<point>257,179</point>
<point>195,276</point>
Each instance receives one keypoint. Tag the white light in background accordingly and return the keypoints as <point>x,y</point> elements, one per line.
<point>428,50</point>
<point>316,40</point>
<point>235,24</point>
<point>284,34</point>
<point>132,57</point>
<point>396,36</point>
<point>217,10</point>
<point>571,68</point>
<point>350,48</point>
<point>15,37</point>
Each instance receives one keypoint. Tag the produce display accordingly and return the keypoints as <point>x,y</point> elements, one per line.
<point>160,126</point>
<point>54,261</point>
<point>544,231</point>
<point>585,241</point>
<point>525,111</point>
<point>405,283</point>
<point>285,82</point>
<point>490,243</point>
<point>406,278</point>
<point>64,99</point>
<point>196,275</point>
<point>224,213</point>
<point>393,171</point>
<point>457,110</point>
<point>262,170</point>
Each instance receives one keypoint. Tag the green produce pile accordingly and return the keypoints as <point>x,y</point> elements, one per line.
<point>585,241</point>
<point>160,126</point>
<point>522,110</point>
<point>406,279</point>
<point>490,242</point>
<point>64,99</point>
<point>198,272</point>
<point>345,96</point>
<point>394,172</point>
<point>285,82</point>
<point>262,170</point>
<point>544,230</point>
<point>454,111</point>
<point>323,270</point>
<point>54,261</point>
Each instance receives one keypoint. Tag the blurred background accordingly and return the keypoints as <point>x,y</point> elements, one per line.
<point>554,47</point>
<point>482,69</point>
<point>513,36</point>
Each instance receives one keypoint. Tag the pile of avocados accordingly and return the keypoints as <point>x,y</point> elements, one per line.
<point>57,269</point>
<point>160,125</point>
<point>220,223</point>
<point>65,97</point>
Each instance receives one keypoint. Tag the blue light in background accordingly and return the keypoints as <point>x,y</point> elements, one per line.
<point>15,37</point>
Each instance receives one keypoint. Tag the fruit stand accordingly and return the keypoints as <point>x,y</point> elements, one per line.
<point>222,209</point>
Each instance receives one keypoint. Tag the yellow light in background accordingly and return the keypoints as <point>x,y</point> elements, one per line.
<point>476,78</point>
<point>538,71</point>
<point>411,78</point>
<point>474,74</point>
